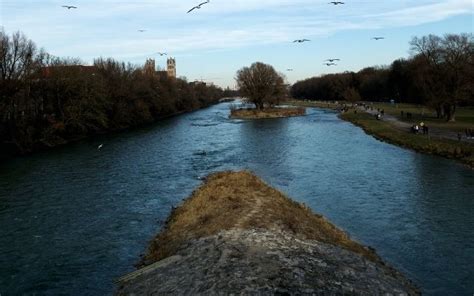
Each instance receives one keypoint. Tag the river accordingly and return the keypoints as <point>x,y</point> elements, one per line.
<point>74,219</point>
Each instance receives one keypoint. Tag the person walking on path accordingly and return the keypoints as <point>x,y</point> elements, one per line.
<point>425,130</point>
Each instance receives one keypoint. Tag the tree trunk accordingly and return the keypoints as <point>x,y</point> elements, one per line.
<point>258,105</point>
<point>450,110</point>
<point>439,112</point>
<point>452,117</point>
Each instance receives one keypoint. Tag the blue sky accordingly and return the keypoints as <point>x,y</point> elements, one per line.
<point>214,42</point>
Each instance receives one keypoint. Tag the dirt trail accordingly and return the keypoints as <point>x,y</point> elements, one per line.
<point>251,214</point>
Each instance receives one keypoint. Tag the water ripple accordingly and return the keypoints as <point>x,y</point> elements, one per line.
<point>74,219</point>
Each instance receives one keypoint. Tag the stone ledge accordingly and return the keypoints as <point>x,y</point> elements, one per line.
<point>265,262</point>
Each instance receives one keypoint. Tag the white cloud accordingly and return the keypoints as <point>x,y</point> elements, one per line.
<point>421,14</point>
<point>109,27</point>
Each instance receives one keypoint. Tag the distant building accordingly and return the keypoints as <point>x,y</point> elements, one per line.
<point>47,72</point>
<point>171,67</point>
<point>162,74</point>
<point>150,68</point>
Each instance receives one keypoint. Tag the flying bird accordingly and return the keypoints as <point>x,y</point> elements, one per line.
<point>141,31</point>
<point>289,70</point>
<point>162,53</point>
<point>329,64</point>
<point>198,6</point>
<point>301,40</point>
<point>336,2</point>
<point>69,7</point>
<point>100,146</point>
<point>332,60</point>
<point>378,38</point>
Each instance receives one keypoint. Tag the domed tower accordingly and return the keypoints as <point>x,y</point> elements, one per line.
<point>149,68</point>
<point>171,67</point>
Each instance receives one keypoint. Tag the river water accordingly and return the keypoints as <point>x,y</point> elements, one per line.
<point>74,219</point>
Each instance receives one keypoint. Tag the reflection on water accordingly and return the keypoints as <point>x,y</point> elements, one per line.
<point>74,219</point>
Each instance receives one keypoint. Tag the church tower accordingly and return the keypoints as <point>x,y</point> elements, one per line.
<point>149,68</point>
<point>171,67</point>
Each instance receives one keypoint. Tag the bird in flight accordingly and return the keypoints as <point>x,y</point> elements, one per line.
<point>329,64</point>
<point>332,60</point>
<point>336,2</point>
<point>162,53</point>
<point>198,6</point>
<point>141,31</point>
<point>100,146</point>
<point>289,70</point>
<point>378,38</point>
<point>69,7</point>
<point>301,40</point>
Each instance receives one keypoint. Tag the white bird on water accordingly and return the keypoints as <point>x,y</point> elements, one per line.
<point>100,146</point>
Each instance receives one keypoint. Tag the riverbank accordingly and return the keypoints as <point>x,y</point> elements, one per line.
<point>266,113</point>
<point>12,149</point>
<point>236,234</point>
<point>386,131</point>
<point>382,130</point>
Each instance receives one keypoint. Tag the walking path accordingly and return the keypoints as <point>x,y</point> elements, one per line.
<point>406,127</point>
<point>257,207</point>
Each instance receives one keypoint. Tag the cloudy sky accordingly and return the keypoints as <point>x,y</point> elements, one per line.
<point>214,42</point>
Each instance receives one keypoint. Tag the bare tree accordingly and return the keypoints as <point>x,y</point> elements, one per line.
<point>352,95</point>
<point>17,56</point>
<point>445,70</point>
<point>19,61</point>
<point>260,84</point>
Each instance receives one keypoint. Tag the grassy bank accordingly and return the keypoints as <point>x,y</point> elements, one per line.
<point>266,113</point>
<point>464,116</point>
<point>231,200</point>
<point>461,151</point>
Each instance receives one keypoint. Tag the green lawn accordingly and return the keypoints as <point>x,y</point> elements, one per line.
<point>464,116</point>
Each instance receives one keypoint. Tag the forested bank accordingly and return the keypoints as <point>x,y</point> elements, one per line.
<point>439,74</point>
<point>47,101</point>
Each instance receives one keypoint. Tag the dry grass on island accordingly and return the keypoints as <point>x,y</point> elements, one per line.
<point>251,113</point>
<point>230,200</point>
<point>237,235</point>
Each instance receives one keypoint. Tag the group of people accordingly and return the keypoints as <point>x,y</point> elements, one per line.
<point>409,114</point>
<point>344,109</point>
<point>420,128</point>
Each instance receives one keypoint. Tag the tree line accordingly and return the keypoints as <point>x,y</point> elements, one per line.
<point>439,74</point>
<point>46,100</point>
